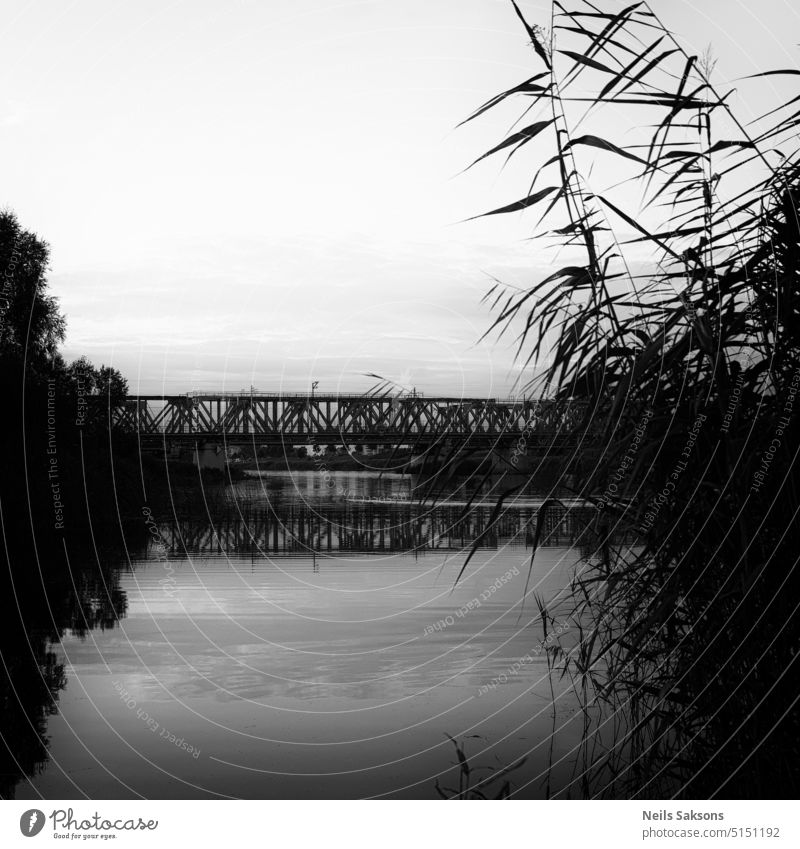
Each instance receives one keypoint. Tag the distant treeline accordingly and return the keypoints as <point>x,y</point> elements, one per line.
<point>65,476</point>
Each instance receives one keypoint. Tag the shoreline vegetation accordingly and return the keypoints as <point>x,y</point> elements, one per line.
<point>685,665</point>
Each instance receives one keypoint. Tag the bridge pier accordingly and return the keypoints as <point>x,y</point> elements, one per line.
<point>209,455</point>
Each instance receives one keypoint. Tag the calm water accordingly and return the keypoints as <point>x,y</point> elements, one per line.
<point>306,640</point>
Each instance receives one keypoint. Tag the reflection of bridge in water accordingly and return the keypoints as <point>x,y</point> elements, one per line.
<point>286,420</point>
<point>367,527</point>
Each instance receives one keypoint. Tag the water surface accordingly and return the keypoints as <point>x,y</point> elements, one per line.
<point>303,640</point>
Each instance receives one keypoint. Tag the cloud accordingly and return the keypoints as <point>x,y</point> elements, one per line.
<point>293,309</point>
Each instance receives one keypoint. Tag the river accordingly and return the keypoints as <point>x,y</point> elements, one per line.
<point>306,637</point>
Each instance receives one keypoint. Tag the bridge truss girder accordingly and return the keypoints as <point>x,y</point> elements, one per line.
<point>349,419</point>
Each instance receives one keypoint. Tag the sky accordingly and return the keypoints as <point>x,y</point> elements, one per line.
<point>267,194</point>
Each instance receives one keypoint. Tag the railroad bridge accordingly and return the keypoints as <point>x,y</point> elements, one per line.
<point>322,419</point>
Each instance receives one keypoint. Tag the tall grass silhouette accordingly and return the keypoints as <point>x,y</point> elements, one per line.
<point>677,305</point>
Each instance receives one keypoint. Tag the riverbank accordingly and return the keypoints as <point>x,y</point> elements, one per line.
<point>383,461</point>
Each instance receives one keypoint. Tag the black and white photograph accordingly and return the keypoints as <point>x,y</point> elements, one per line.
<point>400,403</point>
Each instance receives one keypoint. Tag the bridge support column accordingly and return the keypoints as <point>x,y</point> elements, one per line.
<point>209,455</point>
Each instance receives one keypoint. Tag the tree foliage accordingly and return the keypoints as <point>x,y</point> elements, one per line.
<point>31,325</point>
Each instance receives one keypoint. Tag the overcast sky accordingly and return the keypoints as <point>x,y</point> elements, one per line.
<point>265,193</point>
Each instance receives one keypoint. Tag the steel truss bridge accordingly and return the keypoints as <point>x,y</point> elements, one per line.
<point>289,420</point>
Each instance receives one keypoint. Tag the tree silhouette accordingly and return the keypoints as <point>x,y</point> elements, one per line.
<point>31,325</point>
